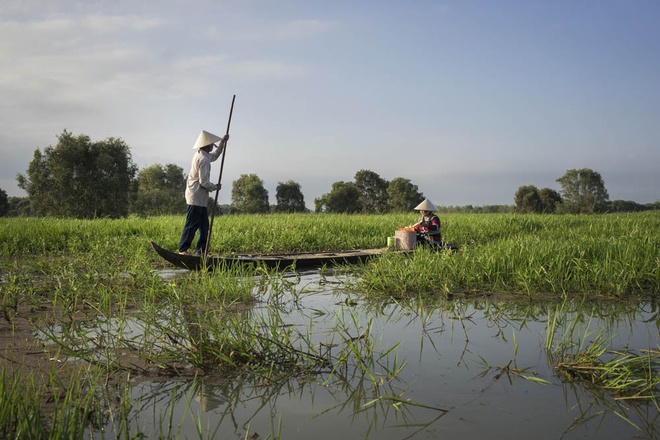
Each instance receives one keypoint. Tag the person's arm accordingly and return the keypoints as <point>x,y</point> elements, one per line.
<point>205,176</point>
<point>421,225</point>
<point>434,226</point>
<point>218,149</point>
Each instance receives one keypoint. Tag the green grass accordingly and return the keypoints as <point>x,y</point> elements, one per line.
<point>614,254</point>
<point>240,233</point>
<point>85,283</point>
<point>585,355</point>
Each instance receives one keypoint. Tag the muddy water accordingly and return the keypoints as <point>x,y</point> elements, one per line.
<point>473,369</point>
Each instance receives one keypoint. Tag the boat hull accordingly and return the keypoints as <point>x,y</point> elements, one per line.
<point>297,261</point>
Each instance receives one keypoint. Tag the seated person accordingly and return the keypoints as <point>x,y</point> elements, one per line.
<point>428,227</point>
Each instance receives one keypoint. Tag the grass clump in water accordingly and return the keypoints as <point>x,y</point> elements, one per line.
<point>587,357</point>
<point>627,374</point>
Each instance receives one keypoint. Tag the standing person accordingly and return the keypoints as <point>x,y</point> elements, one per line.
<point>428,227</point>
<point>198,186</point>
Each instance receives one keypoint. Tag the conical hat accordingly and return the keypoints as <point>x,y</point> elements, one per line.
<point>205,138</point>
<point>426,205</point>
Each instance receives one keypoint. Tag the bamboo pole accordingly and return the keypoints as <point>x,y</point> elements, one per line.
<point>222,165</point>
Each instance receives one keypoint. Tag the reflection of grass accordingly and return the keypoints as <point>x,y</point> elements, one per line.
<point>586,356</point>
<point>90,278</point>
<point>583,357</point>
<point>263,350</point>
<point>511,369</point>
<point>189,337</point>
<point>627,374</point>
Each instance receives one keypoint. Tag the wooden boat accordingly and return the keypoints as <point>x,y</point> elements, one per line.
<point>302,260</point>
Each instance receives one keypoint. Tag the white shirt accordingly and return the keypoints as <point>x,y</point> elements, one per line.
<point>198,184</point>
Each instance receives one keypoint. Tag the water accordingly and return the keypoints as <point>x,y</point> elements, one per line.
<point>473,369</point>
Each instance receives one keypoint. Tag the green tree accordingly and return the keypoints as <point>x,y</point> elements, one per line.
<point>527,199</point>
<point>343,198</point>
<point>80,178</point>
<point>403,195</point>
<point>583,191</point>
<point>550,199</point>
<point>19,207</point>
<point>653,206</point>
<point>289,197</point>
<point>42,192</point>
<point>373,192</point>
<point>625,206</point>
<point>160,190</point>
<point>320,203</point>
<point>4,203</point>
<point>248,195</point>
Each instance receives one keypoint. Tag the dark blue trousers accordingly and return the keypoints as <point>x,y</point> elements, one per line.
<point>197,218</point>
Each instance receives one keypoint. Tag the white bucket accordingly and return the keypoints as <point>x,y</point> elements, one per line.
<point>405,240</point>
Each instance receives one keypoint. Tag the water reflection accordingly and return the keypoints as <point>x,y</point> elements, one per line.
<point>252,408</point>
<point>458,368</point>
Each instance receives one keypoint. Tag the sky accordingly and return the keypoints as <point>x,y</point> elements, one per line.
<point>468,99</point>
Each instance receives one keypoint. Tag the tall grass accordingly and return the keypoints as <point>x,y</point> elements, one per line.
<point>189,325</point>
<point>85,283</point>
<point>57,410</point>
<point>583,354</point>
<point>237,233</point>
<point>610,255</point>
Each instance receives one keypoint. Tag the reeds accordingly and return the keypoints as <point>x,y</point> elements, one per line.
<point>91,288</point>
<point>530,255</point>
<point>583,354</point>
<point>612,255</point>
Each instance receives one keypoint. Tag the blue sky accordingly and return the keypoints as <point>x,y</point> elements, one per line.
<point>468,99</point>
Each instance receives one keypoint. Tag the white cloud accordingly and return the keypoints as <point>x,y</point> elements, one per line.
<point>75,61</point>
<point>262,69</point>
<point>123,23</point>
<point>281,31</point>
<point>397,96</point>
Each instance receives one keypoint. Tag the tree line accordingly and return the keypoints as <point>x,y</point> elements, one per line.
<point>82,178</point>
<point>582,192</point>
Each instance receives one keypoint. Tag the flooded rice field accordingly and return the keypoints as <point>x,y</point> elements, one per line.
<point>460,368</point>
